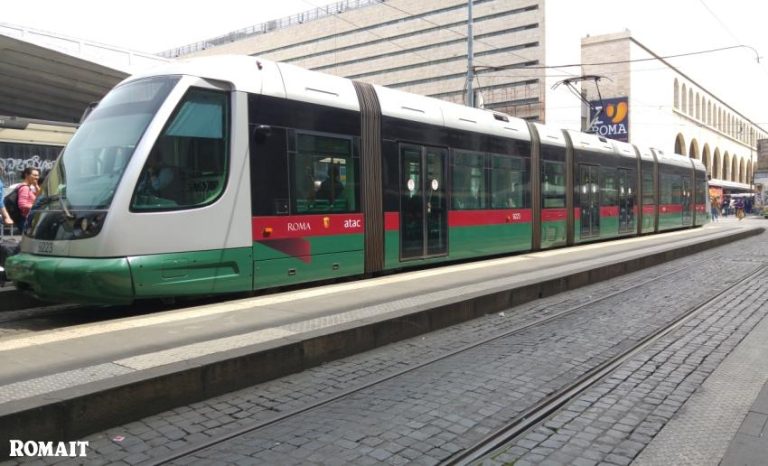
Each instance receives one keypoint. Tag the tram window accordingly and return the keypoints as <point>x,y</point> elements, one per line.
<point>553,184</point>
<point>671,189</point>
<point>701,191</point>
<point>608,187</point>
<point>269,170</point>
<point>325,175</point>
<point>648,191</point>
<point>188,164</point>
<point>677,190</point>
<point>468,190</point>
<point>508,182</point>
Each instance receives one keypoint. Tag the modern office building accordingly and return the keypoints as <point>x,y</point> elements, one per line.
<point>417,46</point>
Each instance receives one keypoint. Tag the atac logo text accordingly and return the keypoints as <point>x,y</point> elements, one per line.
<point>36,448</point>
<point>353,223</point>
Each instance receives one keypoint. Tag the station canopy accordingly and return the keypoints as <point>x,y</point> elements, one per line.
<point>46,76</point>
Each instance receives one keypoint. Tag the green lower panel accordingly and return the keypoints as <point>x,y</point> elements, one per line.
<point>301,260</point>
<point>192,273</point>
<point>577,238</point>
<point>670,221</point>
<point>292,270</point>
<point>71,279</point>
<point>465,243</point>
<point>553,234</point>
<point>647,224</point>
<point>609,227</point>
<point>391,250</point>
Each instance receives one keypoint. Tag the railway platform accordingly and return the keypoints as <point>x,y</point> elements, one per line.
<point>67,383</point>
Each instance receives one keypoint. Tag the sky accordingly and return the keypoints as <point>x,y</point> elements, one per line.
<point>667,27</point>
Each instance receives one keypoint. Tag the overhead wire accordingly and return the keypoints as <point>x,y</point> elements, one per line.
<point>489,68</point>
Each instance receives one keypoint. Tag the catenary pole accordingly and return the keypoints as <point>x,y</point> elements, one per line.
<point>470,67</point>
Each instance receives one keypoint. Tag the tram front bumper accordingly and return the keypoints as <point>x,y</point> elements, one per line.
<point>72,279</point>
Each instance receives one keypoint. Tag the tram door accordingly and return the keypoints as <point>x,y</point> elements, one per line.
<point>626,201</point>
<point>423,213</point>
<point>685,200</point>
<point>589,201</point>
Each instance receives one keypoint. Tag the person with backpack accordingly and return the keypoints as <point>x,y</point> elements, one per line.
<point>3,211</point>
<point>28,193</point>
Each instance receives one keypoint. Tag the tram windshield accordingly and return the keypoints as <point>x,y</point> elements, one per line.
<point>87,173</point>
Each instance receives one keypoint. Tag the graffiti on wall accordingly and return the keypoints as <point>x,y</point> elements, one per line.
<point>15,157</point>
<point>15,165</point>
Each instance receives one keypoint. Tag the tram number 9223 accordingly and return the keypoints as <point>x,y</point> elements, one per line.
<point>44,247</point>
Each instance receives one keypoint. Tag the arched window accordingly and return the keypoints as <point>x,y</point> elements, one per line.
<point>677,94</point>
<point>706,159</point>
<point>679,144</point>
<point>742,171</point>
<point>717,166</point>
<point>690,102</point>
<point>693,151</point>
<point>698,106</point>
<point>685,100</point>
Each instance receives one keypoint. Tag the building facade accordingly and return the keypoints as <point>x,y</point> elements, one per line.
<point>420,46</point>
<point>417,46</point>
<point>667,109</point>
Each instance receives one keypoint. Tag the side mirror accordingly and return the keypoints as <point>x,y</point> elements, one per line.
<point>260,133</point>
<point>88,111</point>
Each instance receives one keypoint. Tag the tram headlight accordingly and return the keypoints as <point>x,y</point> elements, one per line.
<point>89,224</point>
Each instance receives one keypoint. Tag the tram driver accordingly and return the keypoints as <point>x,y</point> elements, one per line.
<point>331,187</point>
<point>158,180</point>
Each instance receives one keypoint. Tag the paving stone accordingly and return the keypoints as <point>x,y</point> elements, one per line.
<point>519,371</point>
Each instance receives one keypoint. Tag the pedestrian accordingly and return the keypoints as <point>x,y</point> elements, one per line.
<point>739,208</point>
<point>715,207</point>
<point>28,193</point>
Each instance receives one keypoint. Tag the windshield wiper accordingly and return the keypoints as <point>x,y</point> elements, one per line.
<point>62,201</point>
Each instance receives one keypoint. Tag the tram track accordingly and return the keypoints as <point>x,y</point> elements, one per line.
<point>551,404</point>
<point>518,424</point>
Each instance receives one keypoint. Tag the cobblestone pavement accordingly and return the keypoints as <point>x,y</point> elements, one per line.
<point>429,414</point>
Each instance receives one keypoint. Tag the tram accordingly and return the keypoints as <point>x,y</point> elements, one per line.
<point>231,174</point>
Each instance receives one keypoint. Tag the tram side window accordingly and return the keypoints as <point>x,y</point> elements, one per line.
<point>668,187</point>
<point>553,184</point>
<point>508,182</point>
<point>677,190</point>
<point>269,170</point>
<point>648,192</point>
<point>608,187</point>
<point>188,165</point>
<point>468,190</point>
<point>325,174</point>
<point>701,192</point>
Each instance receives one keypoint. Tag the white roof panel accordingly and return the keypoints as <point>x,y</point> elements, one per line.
<point>590,142</point>
<point>550,135</point>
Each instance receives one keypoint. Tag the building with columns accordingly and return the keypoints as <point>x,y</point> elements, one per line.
<point>672,111</point>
